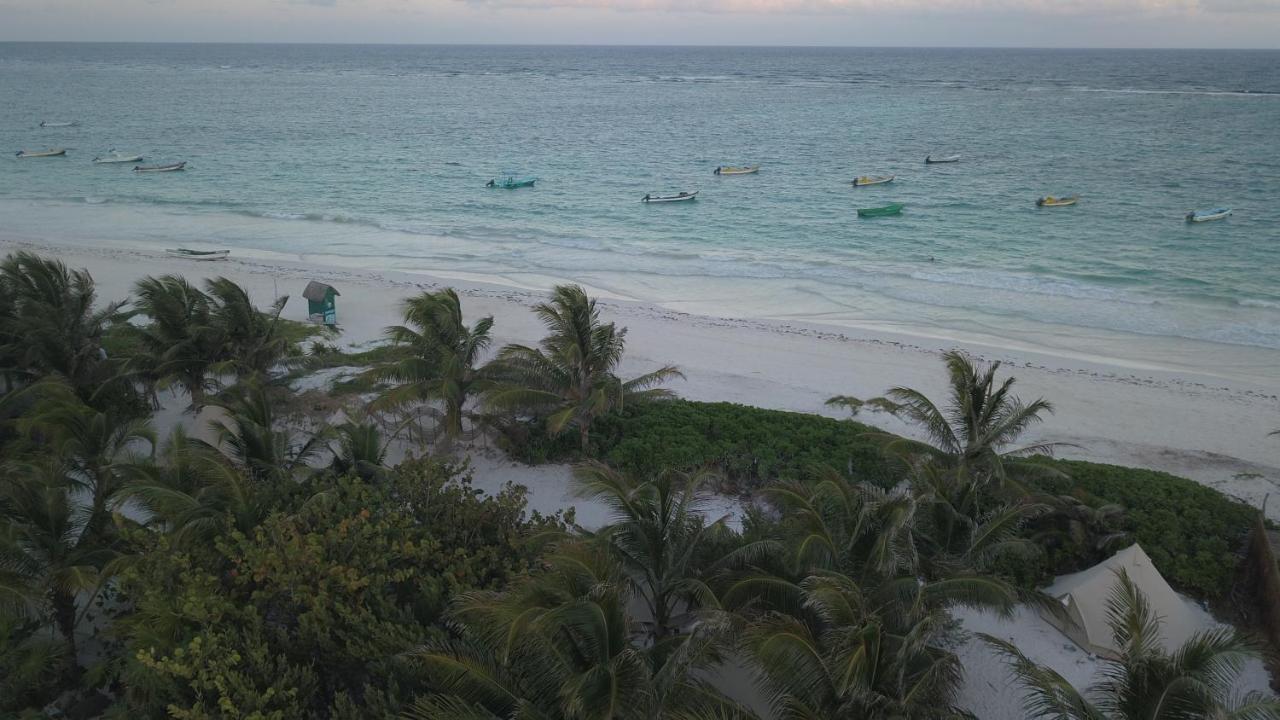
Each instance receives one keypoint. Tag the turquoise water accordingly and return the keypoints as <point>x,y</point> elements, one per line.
<point>376,156</point>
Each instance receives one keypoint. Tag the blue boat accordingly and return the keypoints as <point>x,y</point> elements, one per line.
<point>510,183</point>
<point>1197,216</point>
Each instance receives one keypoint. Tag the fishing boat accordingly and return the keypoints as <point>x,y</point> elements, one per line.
<point>41,153</point>
<point>866,180</point>
<point>198,254</point>
<point>731,170</point>
<point>678,197</point>
<point>172,167</point>
<point>510,183</point>
<point>47,124</point>
<point>1051,201</point>
<point>1207,215</point>
<point>115,157</point>
<point>884,211</point>
<point>931,160</point>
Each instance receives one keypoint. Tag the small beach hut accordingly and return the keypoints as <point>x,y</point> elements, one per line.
<point>320,303</point>
<point>1084,597</point>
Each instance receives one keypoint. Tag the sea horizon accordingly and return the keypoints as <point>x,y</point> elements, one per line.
<point>375,156</point>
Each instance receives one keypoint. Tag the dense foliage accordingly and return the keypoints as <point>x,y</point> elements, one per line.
<point>256,563</point>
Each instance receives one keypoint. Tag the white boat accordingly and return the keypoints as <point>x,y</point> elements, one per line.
<point>1198,216</point>
<point>198,254</point>
<point>174,167</point>
<point>866,180</point>
<point>47,124</point>
<point>41,153</point>
<point>679,197</point>
<point>931,160</point>
<point>115,157</point>
<point>731,170</point>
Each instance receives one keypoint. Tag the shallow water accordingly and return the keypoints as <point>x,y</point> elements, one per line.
<point>377,156</point>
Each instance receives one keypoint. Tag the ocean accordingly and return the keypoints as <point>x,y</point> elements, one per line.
<point>377,156</point>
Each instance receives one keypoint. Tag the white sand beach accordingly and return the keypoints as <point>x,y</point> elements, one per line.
<point>1209,428</point>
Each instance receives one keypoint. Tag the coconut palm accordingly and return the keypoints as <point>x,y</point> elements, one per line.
<point>49,326</point>
<point>976,433</point>
<point>559,645</point>
<point>179,346</point>
<point>570,377</point>
<point>192,492</point>
<point>841,658</point>
<point>250,435</point>
<point>660,537</point>
<point>51,564</point>
<point>361,450</point>
<point>252,341</point>
<point>443,365</point>
<point>1192,683</point>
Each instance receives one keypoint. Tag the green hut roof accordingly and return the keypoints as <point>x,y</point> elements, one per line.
<point>317,291</point>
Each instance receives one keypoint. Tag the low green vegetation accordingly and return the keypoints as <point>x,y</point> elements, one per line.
<point>280,569</point>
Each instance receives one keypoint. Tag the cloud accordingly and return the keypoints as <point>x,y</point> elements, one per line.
<point>824,7</point>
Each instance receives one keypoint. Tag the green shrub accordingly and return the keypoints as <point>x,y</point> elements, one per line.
<point>752,447</point>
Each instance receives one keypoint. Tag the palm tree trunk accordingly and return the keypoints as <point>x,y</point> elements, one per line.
<point>584,436</point>
<point>64,615</point>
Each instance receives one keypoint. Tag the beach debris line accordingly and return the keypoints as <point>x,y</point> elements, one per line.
<point>321,306</point>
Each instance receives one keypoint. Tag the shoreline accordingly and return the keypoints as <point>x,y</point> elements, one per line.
<point>1210,429</point>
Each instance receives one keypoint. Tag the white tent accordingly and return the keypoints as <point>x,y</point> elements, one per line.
<point>1084,597</point>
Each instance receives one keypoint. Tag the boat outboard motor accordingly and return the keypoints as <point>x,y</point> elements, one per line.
<point>489,184</point>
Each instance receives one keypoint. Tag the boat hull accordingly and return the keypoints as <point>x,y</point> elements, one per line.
<point>160,168</point>
<point>204,255</point>
<point>41,153</point>
<point>511,184</point>
<point>682,197</point>
<point>931,160</point>
<point>724,170</point>
<point>1057,202</point>
<point>1199,216</point>
<point>885,211</point>
<point>117,160</point>
<point>868,181</point>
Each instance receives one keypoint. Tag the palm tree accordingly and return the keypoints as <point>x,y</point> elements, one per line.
<point>361,451</point>
<point>570,376</point>
<point>251,436</point>
<point>251,341</point>
<point>841,658</point>
<point>660,538</point>
<point>193,492</point>
<point>559,645</point>
<point>1145,682</point>
<point>49,556</point>
<point>179,345</point>
<point>443,364</point>
<point>48,325</point>
<point>973,435</point>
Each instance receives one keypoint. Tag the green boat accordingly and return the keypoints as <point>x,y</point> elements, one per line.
<point>894,209</point>
<point>509,183</point>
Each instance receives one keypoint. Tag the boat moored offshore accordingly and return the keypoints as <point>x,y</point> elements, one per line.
<point>1199,216</point>
<point>172,167</point>
<point>736,170</point>
<point>882,211</point>
<point>115,157</point>
<point>678,197</point>
<point>58,152</point>
<point>941,159</point>
<point>511,182</point>
<point>866,180</point>
<point>1051,201</point>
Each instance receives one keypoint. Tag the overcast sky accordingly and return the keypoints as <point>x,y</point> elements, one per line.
<point>1021,23</point>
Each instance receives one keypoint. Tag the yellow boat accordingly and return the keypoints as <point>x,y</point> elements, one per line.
<point>731,170</point>
<point>1051,201</point>
<point>872,180</point>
